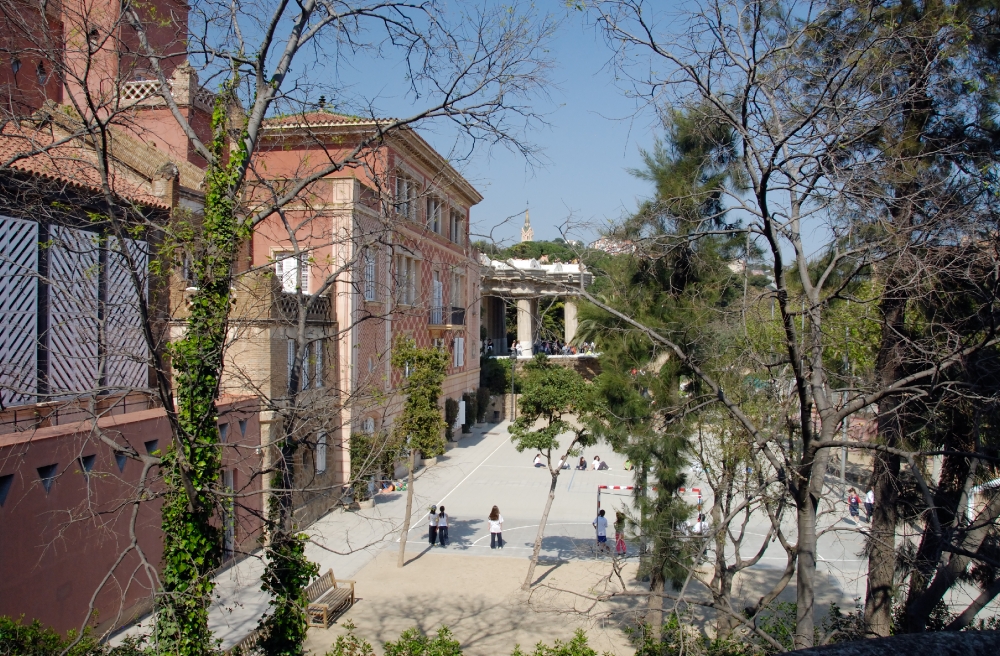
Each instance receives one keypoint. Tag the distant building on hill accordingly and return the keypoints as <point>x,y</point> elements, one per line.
<point>614,246</point>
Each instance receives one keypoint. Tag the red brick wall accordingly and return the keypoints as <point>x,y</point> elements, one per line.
<point>58,548</point>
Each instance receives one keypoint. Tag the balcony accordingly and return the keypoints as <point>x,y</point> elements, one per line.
<point>286,308</point>
<point>446,317</point>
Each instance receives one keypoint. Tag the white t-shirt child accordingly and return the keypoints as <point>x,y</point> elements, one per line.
<point>496,526</point>
<point>602,526</point>
<point>432,519</point>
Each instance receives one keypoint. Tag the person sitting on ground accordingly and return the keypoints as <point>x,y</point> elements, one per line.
<point>628,465</point>
<point>583,463</point>
<point>603,466</point>
<point>596,462</point>
<point>538,460</point>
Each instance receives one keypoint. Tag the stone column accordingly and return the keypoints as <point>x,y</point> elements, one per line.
<point>569,313</point>
<point>526,308</point>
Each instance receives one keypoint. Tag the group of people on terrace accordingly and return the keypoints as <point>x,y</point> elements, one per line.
<point>548,347</point>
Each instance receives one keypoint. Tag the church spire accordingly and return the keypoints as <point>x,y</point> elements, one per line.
<point>527,234</point>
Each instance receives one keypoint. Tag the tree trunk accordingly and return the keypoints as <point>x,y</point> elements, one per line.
<point>654,605</point>
<point>409,508</point>
<point>541,531</point>
<point>882,546</point>
<point>805,592</point>
<point>948,505</point>
<point>721,598</point>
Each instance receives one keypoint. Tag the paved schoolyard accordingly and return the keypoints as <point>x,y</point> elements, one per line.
<point>443,584</point>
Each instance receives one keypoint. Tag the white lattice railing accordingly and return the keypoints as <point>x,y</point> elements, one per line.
<point>148,92</point>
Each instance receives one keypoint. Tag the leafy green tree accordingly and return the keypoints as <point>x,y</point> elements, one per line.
<point>575,646</point>
<point>414,643</point>
<point>421,425</point>
<point>677,283</point>
<point>561,400</point>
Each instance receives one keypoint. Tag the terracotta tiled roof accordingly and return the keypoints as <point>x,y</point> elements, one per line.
<point>68,162</point>
<point>322,119</point>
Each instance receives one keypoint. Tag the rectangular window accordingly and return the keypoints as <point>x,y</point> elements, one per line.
<point>406,195</point>
<point>437,300</point>
<point>321,453</point>
<point>317,352</point>
<point>368,427</point>
<point>457,287</point>
<point>369,275</point>
<point>456,230</point>
<point>292,270</point>
<point>228,514</point>
<point>459,351</point>
<point>434,214</point>
<point>406,280</point>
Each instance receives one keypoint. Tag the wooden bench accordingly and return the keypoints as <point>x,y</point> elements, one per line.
<point>247,646</point>
<point>327,596</point>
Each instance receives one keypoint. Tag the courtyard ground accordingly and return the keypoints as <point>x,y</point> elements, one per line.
<point>480,600</point>
<point>475,590</point>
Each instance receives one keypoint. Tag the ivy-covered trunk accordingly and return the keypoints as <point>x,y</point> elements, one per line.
<point>192,464</point>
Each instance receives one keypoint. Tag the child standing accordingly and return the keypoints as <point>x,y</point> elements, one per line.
<point>853,502</point>
<point>442,526</point>
<point>432,525</point>
<point>601,524</point>
<point>619,534</point>
<point>496,529</point>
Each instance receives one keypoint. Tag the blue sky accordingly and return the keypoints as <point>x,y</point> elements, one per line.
<point>593,136</point>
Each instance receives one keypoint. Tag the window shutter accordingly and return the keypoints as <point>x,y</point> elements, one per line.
<point>18,310</point>
<point>321,453</point>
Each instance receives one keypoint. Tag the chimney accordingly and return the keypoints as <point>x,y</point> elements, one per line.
<point>166,184</point>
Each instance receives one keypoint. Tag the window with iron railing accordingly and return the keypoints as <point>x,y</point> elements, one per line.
<point>437,301</point>
<point>370,280</point>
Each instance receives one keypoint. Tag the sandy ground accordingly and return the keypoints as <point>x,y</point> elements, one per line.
<point>480,600</point>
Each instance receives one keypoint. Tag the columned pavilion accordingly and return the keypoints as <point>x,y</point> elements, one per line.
<point>525,282</point>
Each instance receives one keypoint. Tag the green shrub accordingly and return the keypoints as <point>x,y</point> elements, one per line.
<point>371,454</point>
<point>350,644</point>
<point>414,643</point>
<point>482,403</point>
<point>494,374</point>
<point>576,646</point>
<point>470,412</point>
<point>35,639</point>
<point>450,415</point>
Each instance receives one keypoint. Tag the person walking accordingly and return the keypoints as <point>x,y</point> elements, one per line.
<point>620,547</point>
<point>442,527</point>
<point>601,524</point>
<point>853,501</point>
<point>432,525</point>
<point>869,505</point>
<point>496,529</point>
